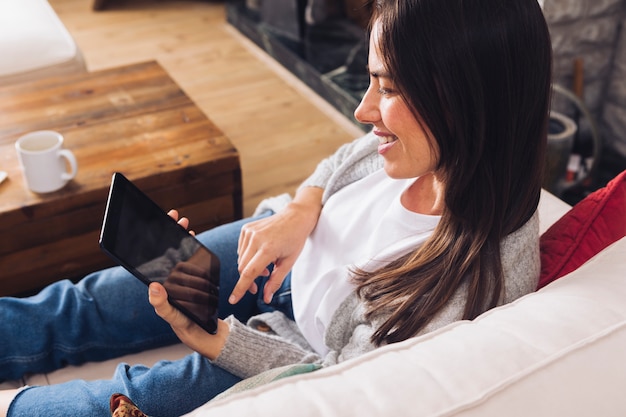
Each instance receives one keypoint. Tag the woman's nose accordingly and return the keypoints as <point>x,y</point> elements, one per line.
<point>367,110</point>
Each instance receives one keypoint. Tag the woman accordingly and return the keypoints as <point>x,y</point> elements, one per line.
<point>429,219</point>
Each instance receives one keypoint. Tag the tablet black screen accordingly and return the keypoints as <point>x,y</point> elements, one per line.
<point>141,237</point>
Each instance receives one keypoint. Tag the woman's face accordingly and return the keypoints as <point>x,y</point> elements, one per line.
<point>403,142</point>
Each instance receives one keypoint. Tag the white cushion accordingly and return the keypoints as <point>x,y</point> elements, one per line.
<point>551,208</point>
<point>33,38</point>
<point>559,351</point>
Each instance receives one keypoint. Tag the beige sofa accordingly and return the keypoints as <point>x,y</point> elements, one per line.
<point>557,352</point>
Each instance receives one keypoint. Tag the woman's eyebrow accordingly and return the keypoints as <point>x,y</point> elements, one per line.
<point>378,73</point>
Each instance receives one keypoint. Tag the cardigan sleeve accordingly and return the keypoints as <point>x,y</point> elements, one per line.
<point>248,351</point>
<point>351,162</point>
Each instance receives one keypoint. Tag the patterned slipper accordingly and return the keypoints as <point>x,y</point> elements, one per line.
<point>122,406</point>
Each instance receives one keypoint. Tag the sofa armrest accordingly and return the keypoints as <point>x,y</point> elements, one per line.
<point>558,351</point>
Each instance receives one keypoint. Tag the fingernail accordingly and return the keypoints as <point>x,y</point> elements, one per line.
<point>269,298</point>
<point>232,299</point>
<point>154,290</point>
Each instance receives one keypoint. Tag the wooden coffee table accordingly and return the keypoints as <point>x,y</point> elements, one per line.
<point>132,119</point>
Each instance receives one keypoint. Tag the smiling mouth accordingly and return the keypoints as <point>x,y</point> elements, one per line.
<point>383,140</point>
<point>385,143</point>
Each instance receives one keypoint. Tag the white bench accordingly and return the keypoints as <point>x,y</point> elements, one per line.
<point>34,43</point>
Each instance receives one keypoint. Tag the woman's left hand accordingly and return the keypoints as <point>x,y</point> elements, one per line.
<point>183,221</point>
<point>188,332</point>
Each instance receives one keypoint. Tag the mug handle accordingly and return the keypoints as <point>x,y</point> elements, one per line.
<point>67,154</point>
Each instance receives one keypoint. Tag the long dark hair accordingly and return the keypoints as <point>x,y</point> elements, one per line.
<point>478,74</point>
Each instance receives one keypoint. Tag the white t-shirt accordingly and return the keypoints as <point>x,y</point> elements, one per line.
<point>363,225</point>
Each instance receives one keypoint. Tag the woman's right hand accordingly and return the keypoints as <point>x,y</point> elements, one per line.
<point>277,239</point>
<point>208,345</point>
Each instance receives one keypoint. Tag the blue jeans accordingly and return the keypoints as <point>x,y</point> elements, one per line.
<point>107,315</point>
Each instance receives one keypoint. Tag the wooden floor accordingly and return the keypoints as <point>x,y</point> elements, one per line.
<point>281,128</point>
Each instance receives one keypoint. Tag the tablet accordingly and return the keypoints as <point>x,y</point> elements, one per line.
<point>138,235</point>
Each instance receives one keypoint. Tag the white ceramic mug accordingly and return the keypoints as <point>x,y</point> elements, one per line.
<point>43,161</point>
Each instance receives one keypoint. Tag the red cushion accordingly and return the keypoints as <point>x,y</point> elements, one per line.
<point>590,226</point>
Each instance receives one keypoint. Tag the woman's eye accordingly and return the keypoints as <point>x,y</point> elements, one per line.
<point>384,91</point>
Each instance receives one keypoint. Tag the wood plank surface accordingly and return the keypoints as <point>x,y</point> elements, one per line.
<point>134,120</point>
